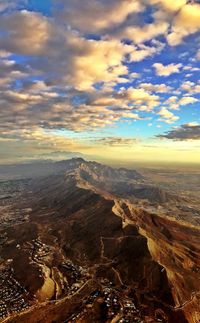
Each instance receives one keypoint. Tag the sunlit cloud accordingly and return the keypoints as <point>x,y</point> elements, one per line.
<point>166,70</point>
<point>93,66</point>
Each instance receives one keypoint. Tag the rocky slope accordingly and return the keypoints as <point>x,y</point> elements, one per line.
<point>175,246</point>
<point>82,233</point>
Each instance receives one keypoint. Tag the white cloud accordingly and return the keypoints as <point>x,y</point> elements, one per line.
<point>172,99</point>
<point>186,22</point>
<point>172,103</point>
<point>166,70</point>
<point>140,98</point>
<point>187,100</point>
<point>160,88</point>
<point>141,52</point>
<point>170,5</point>
<point>190,87</point>
<point>167,116</point>
<point>147,32</point>
<point>135,75</point>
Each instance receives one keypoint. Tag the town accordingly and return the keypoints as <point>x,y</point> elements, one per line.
<point>13,296</point>
<point>111,304</point>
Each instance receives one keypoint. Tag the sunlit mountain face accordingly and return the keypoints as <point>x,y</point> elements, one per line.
<point>115,80</point>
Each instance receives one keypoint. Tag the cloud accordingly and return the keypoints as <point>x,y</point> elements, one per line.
<point>134,75</point>
<point>190,131</point>
<point>117,141</point>
<point>190,87</point>
<point>39,143</point>
<point>142,34</point>
<point>40,107</point>
<point>61,54</point>
<point>169,5</point>
<point>139,97</point>
<point>10,5</point>
<point>172,103</point>
<point>167,116</point>
<point>101,60</point>
<point>96,15</point>
<point>186,22</point>
<point>172,99</point>
<point>25,33</point>
<point>10,71</point>
<point>187,100</point>
<point>198,55</point>
<point>160,88</point>
<point>79,69</point>
<point>166,70</point>
<point>124,99</point>
<point>142,51</point>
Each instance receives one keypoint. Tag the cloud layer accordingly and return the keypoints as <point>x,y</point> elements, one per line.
<point>89,65</point>
<point>190,131</point>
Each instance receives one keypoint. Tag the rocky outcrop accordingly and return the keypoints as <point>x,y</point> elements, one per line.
<point>176,247</point>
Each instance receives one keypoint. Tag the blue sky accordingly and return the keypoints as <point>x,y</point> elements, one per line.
<point>92,74</point>
<point>44,7</point>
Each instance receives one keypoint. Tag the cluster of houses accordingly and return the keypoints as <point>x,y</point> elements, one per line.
<point>116,306</point>
<point>12,294</point>
<point>75,275</point>
<point>40,250</point>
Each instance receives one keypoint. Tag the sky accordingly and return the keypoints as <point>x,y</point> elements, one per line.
<point>114,80</point>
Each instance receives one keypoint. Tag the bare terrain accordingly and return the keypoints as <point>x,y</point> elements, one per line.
<point>84,242</point>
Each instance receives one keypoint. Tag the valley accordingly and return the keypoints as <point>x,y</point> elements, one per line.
<point>90,243</point>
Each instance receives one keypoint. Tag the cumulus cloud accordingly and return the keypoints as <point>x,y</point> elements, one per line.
<point>166,70</point>
<point>187,100</point>
<point>71,58</point>
<point>189,131</point>
<point>172,103</point>
<point>96,15</point>
<point>172,99</point>
<point>139,97</point>
<point>24,32</point>
<point>10,71</point>
<point>100,61</point>
<point>167,116</point>
<point>190,87</point>
<point>78,69</point>
<point>41,107</point>
<point>142,51</point>
<point>147,32</point>
<point>186,22</point>
<point>134,75</point>
<point>160,88</point>
<point>169,5</point>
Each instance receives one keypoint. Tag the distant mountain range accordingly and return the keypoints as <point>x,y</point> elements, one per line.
<point>120,182</point>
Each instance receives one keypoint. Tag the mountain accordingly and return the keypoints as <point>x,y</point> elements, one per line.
<point>122,182</point>
<point>119,181</point>
<point>77,249</point>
